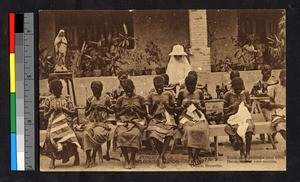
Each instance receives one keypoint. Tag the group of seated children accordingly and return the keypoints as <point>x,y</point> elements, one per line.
<point>160,115</point>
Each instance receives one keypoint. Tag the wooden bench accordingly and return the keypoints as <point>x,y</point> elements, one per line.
<point>218,130</point>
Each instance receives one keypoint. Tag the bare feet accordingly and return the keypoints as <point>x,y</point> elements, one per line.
<point>76,160</point>
<point>93,162</point>
<point>132,164</point>
<point>198,161</point>
<point>107,156</point>
<point>160,163</point>
<point>87,163</point>
<point>247,158</point>
<point>126,165</point>
<point>164,159</point>
<point>191,161</point>
<point>52,164</point>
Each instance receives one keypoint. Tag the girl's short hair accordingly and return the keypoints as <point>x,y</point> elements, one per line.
<point>282,73</point>
<point>56,84</point>
<point>121,73</point>
<point>234,74</point>
<point>127,83</point>
<point>265,67</point>
<point>166,78</point>
<point>237,81</point>
<point>190,80</point>
<point>158,80</point>
<point>52,76</point>
<point>194,73</point>
<point>96,85</point>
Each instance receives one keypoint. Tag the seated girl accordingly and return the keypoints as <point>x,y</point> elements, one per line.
<point>278,104</point>
<point>130,112</point>
<point>162,123</point>
<point>222,89</point>
<point>192,120</point>
<point>233,102</point>
<point>61,141</point>
<point>97,130</point>
<point>199,86</point>
<point>260,88</point>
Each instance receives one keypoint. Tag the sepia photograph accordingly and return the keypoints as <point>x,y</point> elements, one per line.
<point>162,90</point>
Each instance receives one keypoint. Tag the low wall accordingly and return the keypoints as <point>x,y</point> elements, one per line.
<point>144,83</point>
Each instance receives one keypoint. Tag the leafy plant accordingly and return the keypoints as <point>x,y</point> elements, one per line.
<point>277,45</point>
<point>224,65</point>
<point>154,54</point>
<point>246,50</point>
<point>107,53</point>
<point>137,57</point>
<point>46,63</point>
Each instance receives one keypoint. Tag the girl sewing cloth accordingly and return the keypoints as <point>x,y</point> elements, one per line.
<point>161,111</point>
<point>60,45</point>
<point>61,141</point>
<point>222,89</point>
<point>236,111</point>
<point>192,120</point>
<point>178,66</point>
<point>278,103</point>
<point>130,111</point>
<point>97,130</point>
<point>260,89</point>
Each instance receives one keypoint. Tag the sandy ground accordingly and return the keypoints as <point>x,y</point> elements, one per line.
<point>264,157</point>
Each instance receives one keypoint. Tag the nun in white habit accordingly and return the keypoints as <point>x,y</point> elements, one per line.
<point>178,66</point>
<point>60,45</point>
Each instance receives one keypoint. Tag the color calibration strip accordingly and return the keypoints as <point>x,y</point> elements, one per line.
<point>21,46</point>
<point>12,65</point>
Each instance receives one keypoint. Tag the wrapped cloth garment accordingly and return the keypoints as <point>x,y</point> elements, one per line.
<point>95,134</point>
<point>163,123</point>
<point>61,141</point>
<point>195,129</point>
<point>97,130</point>
<point>128,132</point>
<point>160,126</point>
<point>279,121</point>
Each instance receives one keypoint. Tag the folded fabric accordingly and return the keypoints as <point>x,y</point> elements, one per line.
<point>279,114</point>
<point>240,118</point>
<point>190,110</point>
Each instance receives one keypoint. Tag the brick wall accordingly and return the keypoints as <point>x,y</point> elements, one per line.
<point>165,28</point>
<point>200,53</point>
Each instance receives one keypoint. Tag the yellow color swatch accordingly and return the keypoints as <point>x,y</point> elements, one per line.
<point>12,66</point>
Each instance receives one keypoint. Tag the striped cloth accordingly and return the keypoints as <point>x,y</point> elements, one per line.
<point>61,132</point>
